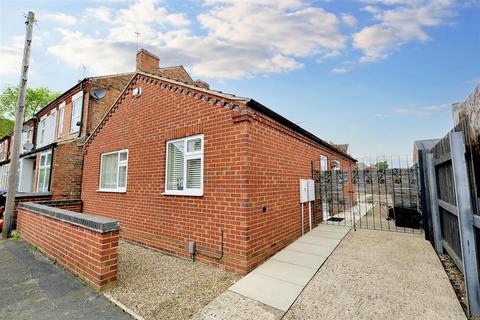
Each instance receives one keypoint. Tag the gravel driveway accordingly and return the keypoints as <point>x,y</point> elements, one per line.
<point>160,286</point>
<point>379,275</point>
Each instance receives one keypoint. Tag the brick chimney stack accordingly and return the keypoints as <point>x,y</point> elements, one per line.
<point>147,61</point>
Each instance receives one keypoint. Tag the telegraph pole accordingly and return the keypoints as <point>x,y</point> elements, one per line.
<point>17,133</point>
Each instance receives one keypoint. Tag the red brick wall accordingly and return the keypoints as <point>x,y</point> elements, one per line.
<point>279,158</point>
<point>67,164</point>
<point>249,162</point>
<point>143,125</point>
<point>90,255</point>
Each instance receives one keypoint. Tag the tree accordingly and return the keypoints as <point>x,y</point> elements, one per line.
<point>6,127</point>
<point>382,165</point>
<point>36,99</point>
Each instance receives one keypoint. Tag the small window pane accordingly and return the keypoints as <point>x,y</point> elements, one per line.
<point>41,180</point>
<point>175,165</point>
<point>123,156</point>
<point>109,171</point>
<point>49,159</point>
<point>122,176</point>
<point>194,170</point>
<point>194,145</point>
<point>42,160</point>
<point>47,178</point>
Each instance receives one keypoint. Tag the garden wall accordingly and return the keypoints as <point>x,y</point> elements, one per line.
<point>85,245</point>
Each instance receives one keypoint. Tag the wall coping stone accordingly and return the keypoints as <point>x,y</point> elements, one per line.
<point>91,222</point>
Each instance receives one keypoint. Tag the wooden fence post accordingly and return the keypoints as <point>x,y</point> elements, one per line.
<point>432,187</point>
<point>465,222</point>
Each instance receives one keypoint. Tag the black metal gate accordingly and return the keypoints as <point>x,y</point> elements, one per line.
<point>379,195</point>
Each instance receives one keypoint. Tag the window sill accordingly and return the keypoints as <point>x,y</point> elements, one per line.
<point>184,194</point>
<point>111,191</point>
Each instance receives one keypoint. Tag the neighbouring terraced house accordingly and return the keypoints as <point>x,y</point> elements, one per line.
<point>51,158</point>
<point>176,162</point>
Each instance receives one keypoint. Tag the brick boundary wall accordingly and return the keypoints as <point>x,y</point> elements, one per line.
<point>71,205</point>
<point>85,245</point>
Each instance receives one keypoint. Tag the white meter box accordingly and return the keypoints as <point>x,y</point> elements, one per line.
<point>303,190</point>
<point>311,189</point>
<point>307,190</point>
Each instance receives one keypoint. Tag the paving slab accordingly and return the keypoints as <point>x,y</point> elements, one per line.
<point>279,281</point>
<point>33,288</point>
<point>299,258</point>
<point>314,249</point>
<point>286,271</point>
<point>273,292</point>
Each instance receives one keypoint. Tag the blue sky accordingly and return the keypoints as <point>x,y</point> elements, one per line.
<point>377,74</point>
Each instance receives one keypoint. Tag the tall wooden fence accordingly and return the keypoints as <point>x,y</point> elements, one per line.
<point>452,199</point>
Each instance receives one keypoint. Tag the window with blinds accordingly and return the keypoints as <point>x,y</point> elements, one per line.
<point>184,166</point>
<point>113,171</point>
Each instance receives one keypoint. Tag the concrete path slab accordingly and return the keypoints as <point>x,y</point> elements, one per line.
<point>33,288</point>
<point>279,281</point>
<point>286,271</point>
<point>273,292</point>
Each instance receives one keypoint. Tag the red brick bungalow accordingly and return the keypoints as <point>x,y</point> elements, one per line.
<point>174,162</point>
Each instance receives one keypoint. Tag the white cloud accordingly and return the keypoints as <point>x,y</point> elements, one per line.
<point>339,70</point>
<point>289,28</point>
<point>404,22</point>
<point>98,55</point>
<point>349,20</point>
<point>243,38</point>
<point>59,17</point>
<point>11,56</point>
<point>421,112</point>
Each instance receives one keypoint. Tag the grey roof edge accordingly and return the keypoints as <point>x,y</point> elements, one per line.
<point>91,222</point>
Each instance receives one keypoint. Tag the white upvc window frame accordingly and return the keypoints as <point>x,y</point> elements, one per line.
<point>120,163</point>
<point>45,166</point>
<point>73,118</point>
<point>42,127</point>
<point>53,114</point>
<point>61,117</point>
<point>197,192</point>
<point>323,160</point>
<point>4,176</point>
<point>335,166</point>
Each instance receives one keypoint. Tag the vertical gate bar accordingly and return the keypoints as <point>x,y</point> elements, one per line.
<point>465,221</point>
<point>410,195</point>
<point>432,187</point>
<point>393,197</point>
<point>373,195</point>
<point>386,196</point>
<point>379,202</point>
<point>365,197</point>
<point>401,184</point>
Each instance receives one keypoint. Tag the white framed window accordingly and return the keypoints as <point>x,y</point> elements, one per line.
<point>44,166</point>
<point>61,112</point>
<point>323,163</point>
<point>77,104</point>
<point>113,171</point>
<point>4,176</point>
<point>184,166</point>
<point>53,124</point>
<point>336,165</point>
<point>41,131</point>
